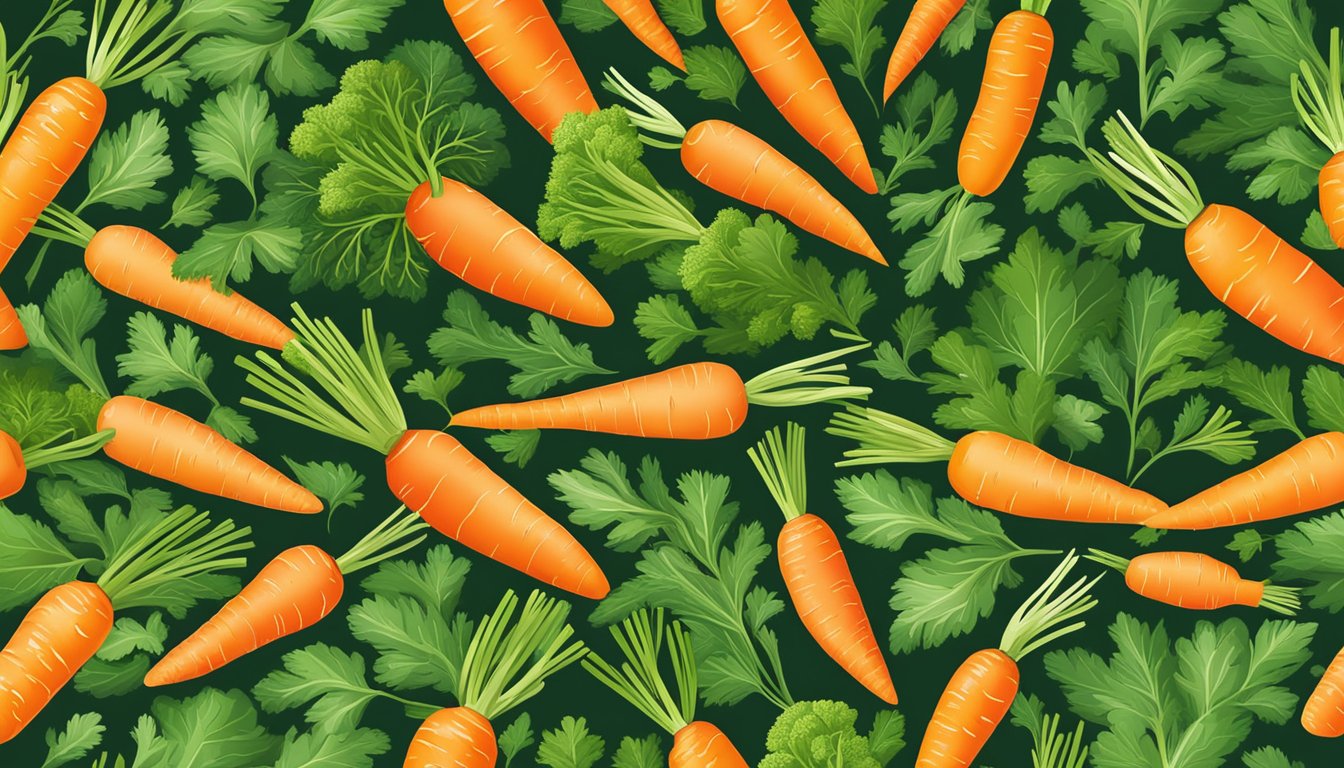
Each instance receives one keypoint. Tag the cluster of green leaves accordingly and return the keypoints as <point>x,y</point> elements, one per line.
<point>852,26</point>
<point>1188,704</point>
<point>813,734</point>
<point>1049,747</point>
<point>686,565</point>
<point>572,744</point>
<point>945,592</point>
<point>40,404</point>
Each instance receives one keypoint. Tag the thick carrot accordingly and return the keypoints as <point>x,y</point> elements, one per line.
<point>1196,581</point>
<point>703,744</point>
<point>1307,476</point>
<point>458,737</point>
<point>294,591</point>
<point>172,446</point>
<point>1323,714</point>
<point>698,401</point>
<point>641,18</point>
<point>1009,475</point>
<point>457,494</point>
<point>46,146</point>
<point>771,41</point>
<point>1019,55</point>
<point>928,19</point>
<point>1331,185</point>
<point>139,266</point>
<point>481,243</point>
<point>739,164</point>
<point>521,49</point>
<point>12,335</point>
<point>13,470</point>
<point>58,635</point>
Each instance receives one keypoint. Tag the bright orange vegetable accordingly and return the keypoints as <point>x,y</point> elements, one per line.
<point>1331,185</point>
<point>521,49</point>
<point>928,19</point>
<point>481,243</point>
<point>1196,581</point>
<point>771,41</point>
<point>1019,56</point>
<point>1320,104</point>
<point>456,736</point>
<point>702,744</point>
<point>1323,714</point>
<point>13,470</point>
<point>641,18</point>
<point>12,335</point>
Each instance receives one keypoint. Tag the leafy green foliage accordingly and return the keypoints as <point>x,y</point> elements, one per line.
<point>822,733</point>
<point>915,332</point>
<point>1268,392</point>
<point>36,407</point>
<point>214,728</point>
<point>1247,544</point>
<point>32,559</point>
<point>973,18</point>
<point>1052,178</point>
<point>1323,394</point>
<point>1198,697</point>
<point>571,745</point>
<point>639,753</point>
<point>236,135</point>
<point>924,121</point>
<point>516,446</point>
<point>516,737</point>
<point>587,15</point>
<point>1268,757</point>
<point>1313,551</point>
<point>959,234</point>
<point>355,749</point>
<point>336,484</point>
<point>981,399</point>
<point>125,656</point>
<point>1286,164</point>
<point>713,73</point>
<point>127,164</point>
<point>82,733</point>
<point>194,204</point>
<point>58,330</point>
<point>330,681</point>
<point>851,25</point>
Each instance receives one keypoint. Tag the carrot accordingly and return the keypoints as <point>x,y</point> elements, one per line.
<point>481,243</point>
<point>698,401</point>
<point>296,589</point>
<point>12,335</point>
<point>1196,581</point>
<point>523,53</point>
<point>504,666</point>
<point>1242,263</point>
<point>46,146</point>
<point>136,264</point>
<point>928,19</point>
<point>771,41</point>
<point>815,570</point>
<point>429,471</point>
<point>984,686</point>
<point>172,446</point>
<point>735,162</point>
<point>1331,185</point>
<point>1306,477</point>
<point>1019,56</point>
<point>69,623</point>
<point>640,17</point>
<point>13,470</point>
<point>16,460</point>
<point>695,743</point>
<point>1320,104</point>
<point>996,471</point>
<point>1323,714</point>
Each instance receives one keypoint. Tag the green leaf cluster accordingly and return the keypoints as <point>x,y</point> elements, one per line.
<point>818,734</point>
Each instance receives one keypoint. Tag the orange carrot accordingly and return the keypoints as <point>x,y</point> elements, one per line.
<point>1331,185</point>
<point>1323,714</point>
<point>640,17</point>
<point>139,266</point>
<point>523,53</point>
<point>455,736</point>
<point>1306,477</point>
<point>1320,105</point>
<point>481,243</point>
<point>815,570</point>
<point>1019,55</point>
<point>984,686</point>
<point>12,335</point>
<point>45,148</point>
<point>171,446</point>
<point>1196,581</point>
<point>928,19</point>
<point>13,470</point>
<point>702,744</point>
<point>771,41</point>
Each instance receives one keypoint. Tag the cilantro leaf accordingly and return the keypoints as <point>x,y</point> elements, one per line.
<point>571,745</point>
<point>1075,421</point>
<point>1189,80</point>
<point>667,324</point>
<point>1288,163</point>
<point>516,737</point>
<point>587,15</point>
<point>236,135</point>
<point>516,446</point>
<point>193,205</point>
<point>36,409</point>
<point>129,635</point>
<point>983,401</point>
<point>1323,394</point>
<point>417,647</point>
<point>1269,757</point>
<point>168,83</point>
<point>227,252</point>
<point>233,425</point>
<point>1316,235</point>
<point>104,679</point>
<point>336,484</point>
<point>1116,239</point>
<point>293,68</point>
<point>214,728</point>
<point>155,365</point>
<point>1268,392</point>
<point>436,583</point>
<point>686,17</point>
<point>347,24</point>
<point>127,163</point>
<point>714,72</point>
<point>639,753</point>
<point>1216,435</point>
<point>1313,551</point>
<point>330,681</point>
<point>57,331</point>
<point>915,332</point>
<point>851,25</point>
<point>973,18</point>
<point>82,733</point>
<point>355,749</point>
<point>1247,544</point>
<point>961,235</point>
<point>1052,178</point>
<point>32,559</point>
<point>435,387</point>
<point>924,121</point>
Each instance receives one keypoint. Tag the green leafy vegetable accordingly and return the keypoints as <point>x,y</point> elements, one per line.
<point>571,745</point>
<point>1246,544</point>
<point>59,329</point>
<point>639,753</point>
<point>587,15</point>
<point>822,733</point>
<point>1050,748</point>
<point>851,25</point>
<point>194,204</point>
<point>82,733</point>
<point>924,121</point>
<point>355,749</point>
<point>1052,178</point>
<point>915,332</point>
<point>1323,394</point>
<point>126,164</point>
<point>213,728</point>
<point>1268,757</point>
<point>685,17</point>
<point>1268,392</point>
<point>338,485</point>
<point>516,446</point>
<point>516,737</point>
<point>1313,551</point>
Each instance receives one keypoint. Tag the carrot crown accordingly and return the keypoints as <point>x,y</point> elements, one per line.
<point>123,43</point>
<point>648,116</point>
<point>1037,621</point>
<point>388,539</point>
<point>507,665</point>
<point>178,547</point>
<point>639,681</point>
<point>57,223</point>
<point>50,451</point>
<point>885,438</point>
<point>366,410</point>
<point>1107,559</point>
<point>1150,182</point>
<point>807,381</point>
<point>780,460</point>
<point>1321,104</point>
<point>1038,7</point>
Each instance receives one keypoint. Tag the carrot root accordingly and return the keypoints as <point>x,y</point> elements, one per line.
<point>971,707</point>
<point>703,744</point>
<point>642,19</point>
<point>12,335</point>
<point>456,737</point>
<point>1323,714</point>
<point>928,19</point>
<point>1331,188</point>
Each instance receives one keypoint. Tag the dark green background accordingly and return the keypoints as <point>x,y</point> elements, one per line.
<point>919,676</point>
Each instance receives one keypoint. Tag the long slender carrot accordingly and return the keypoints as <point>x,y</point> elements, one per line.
<point>13,470</point>
<point>641,18</point>
<point>46,146</point>
<point>984,686</point>
<point>58,635</point>
<point>470,236</point>
<point>1019,56</point>
<point>12,335</point>
<point>1306,477</point>
<point>171,446</point>
<point>928,19</point>
<point>521,49</point>
<point>1196,581</point>
<point>139,266</point>
<point>1323,714</point>
<point>814,567</point>
<point>1331,187</point>
<point>771,41</point>
<point>454,736</point>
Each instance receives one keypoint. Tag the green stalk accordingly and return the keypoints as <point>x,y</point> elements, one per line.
<point>639,680</point>
<point>782,464</point>
<point>885,438</point>
<point>799,383</point>
<point>46,453</point>
<point>174,549</point>
<point>121,48</point>
<point>1319,104</point>
<point>1036,622</point>
<point>387,539</point>
<point>648,114</point>
<point>57,223</point>
<point>1150,182</point>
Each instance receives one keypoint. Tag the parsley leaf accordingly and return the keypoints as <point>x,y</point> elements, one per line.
<point>330,681</point>
<point>983,401</point>
<point>571,745</point>
<point>1323,394</point>
<point>1316,235</point>
<point>57,331</point>
<point>336,484</point>
<point>1247,544</point>
<point>193,205</point>
<point>347,24</point>
<point>435,387</point>
<point>516,737</point>
<point>155,365</point>
<point>1313,551</point>
<point>1269,757</point>
<point>686,17</point>
<point>542,359</point>
<point>924,121</point>
<point>354,749</point>
<point>128,162</point>
<point>236,135</point>
<point>667,324</point>
<point>1075,422</point>
<point>587,15</point>
<point>1268,392</point>
<point>1288,160</point>
<point>915,332</point>
<point>1051,178</point>
<point>1216,435</point>
<point>961,235</point>
<point>852,25</point>
<point>516,446</point>
<point>32,559</point>
<point>639,753</point>
<point>82,733</point>
<point>214,728</point>
<point>714,72</point>
<point>104,679</point>
<point>129,635</point>
<point>227,252</point>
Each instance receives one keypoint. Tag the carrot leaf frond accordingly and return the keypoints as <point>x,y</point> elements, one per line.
<point>366,409</point>
<point>1321,104</point>
<point>807,381</point>
<point>1037,621</point>
<point>647,114</point>
<point>639,681</point>
<point>781,462</point>
<point>506,665</point>
<point>886,438</point>
<point>1282,600</point>
<point>129,42</point>
<point>1107,559</point>
<point>1150,182</point>
<point>393,536</point>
